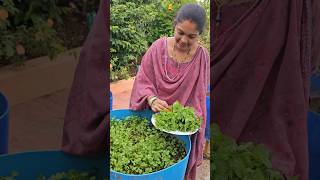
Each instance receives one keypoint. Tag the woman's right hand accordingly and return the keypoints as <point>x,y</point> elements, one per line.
<point>159,105</point>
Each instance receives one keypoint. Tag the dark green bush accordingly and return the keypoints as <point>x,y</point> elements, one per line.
<point>136,24</point>
<point>26,29</point>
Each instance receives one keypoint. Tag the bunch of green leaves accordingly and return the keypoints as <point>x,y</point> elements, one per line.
<point>138,148</point>
<point>179,118</point>
<point>240,161</point>
<point>28,31</point>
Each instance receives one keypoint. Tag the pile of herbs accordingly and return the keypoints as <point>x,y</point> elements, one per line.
<point>69,175</point>
<point>248,161</point>
<point>138,148</point>
<point>179,118</point>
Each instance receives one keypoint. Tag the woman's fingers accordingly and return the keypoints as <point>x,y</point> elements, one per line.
<point>159,105</point>
<point>156,109</point>
<point>164,104</point>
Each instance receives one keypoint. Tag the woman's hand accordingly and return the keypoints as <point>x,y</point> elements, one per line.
<point>158,105</point>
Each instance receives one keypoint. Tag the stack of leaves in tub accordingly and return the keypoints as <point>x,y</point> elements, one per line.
<point>179,118</point>
<point>138,148</point>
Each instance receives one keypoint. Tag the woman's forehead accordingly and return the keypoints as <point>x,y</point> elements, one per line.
<point>187,27</point>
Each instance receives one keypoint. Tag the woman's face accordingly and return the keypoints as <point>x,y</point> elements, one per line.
<point>186,35</point>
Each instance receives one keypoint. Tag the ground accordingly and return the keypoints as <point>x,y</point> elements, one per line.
<point>37,124</point>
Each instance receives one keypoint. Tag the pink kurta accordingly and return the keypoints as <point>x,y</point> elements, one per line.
<point>160,76</point>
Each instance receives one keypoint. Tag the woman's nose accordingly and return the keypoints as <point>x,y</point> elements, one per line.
<point>184,40</point>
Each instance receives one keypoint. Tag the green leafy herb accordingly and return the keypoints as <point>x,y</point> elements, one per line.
<point>138,148</point>
<point>178,119</point>
<point>240,161</point>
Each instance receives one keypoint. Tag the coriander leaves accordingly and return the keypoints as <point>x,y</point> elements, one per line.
<point>138,148</point>
<point>178,119</point>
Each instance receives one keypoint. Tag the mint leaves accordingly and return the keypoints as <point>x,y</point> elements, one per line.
<point>180,118</point>
<point>138,148</point>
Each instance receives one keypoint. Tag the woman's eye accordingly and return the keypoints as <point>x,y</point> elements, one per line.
<point>181,33</point>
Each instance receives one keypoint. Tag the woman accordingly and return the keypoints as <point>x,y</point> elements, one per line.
<point>176,68</point>
<point>261,71</point>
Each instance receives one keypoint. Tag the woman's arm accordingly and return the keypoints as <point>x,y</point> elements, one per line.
<point>144,87</point>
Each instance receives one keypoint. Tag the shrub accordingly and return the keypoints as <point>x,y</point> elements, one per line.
<point>136,24</point>
<point>26,30</point>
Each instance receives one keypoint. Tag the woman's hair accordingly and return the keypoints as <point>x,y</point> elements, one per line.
<point>192,12</point>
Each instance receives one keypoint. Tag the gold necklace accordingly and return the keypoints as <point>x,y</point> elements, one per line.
<point>184,58</point>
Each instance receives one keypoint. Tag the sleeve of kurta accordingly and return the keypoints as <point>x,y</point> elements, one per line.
<point>145,81</point>
<point>85,123</point>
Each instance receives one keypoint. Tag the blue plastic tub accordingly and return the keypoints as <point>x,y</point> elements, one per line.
<point>174,172</point>
<point>4,124</point>
<point>110,94</point>
<point>30,165</point>
<point>314,145</point>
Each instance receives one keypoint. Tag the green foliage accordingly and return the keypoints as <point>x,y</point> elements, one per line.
<point>240,161</point>
<point>36,11</point>
<point>28,30</point>
<point>137,24</point>
<point>178,119</point>
<point>122,73</point>
<point>127,37</point>
<point>205,37</point>
<point>138,148</point>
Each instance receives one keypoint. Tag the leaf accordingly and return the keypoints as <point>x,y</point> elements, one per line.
<point>138,148</point>
<point>240,161</point>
